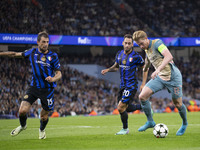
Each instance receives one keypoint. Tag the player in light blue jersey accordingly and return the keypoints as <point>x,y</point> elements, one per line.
<point>126,61</point>
<point>166,75</point>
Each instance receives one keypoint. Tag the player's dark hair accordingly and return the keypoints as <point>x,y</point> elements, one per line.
<point>42,34</point>
<point>128,36</point>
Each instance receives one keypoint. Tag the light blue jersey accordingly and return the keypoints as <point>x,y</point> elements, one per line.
<point>170,77</point>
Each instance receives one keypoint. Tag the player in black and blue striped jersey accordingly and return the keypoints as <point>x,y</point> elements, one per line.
<point>45,72</point>
<point>127,62</point>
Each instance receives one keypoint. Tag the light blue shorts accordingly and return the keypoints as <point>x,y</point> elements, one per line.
<point>174,85</point>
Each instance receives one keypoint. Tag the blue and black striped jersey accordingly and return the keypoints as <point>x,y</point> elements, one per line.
<point>43,65</point>
<point>128,65</point>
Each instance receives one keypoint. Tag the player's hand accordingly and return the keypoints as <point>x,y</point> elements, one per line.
<point>104,71</point>
<point>154,74</point>
<point>49,79</point>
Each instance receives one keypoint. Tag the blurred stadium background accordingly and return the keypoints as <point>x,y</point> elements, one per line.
<point>86,35</point>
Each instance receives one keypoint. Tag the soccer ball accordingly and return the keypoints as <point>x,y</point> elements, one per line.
<point>160,130</point>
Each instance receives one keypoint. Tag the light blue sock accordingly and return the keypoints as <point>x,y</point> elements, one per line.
<point>183,114</point>
<point>146,106</point>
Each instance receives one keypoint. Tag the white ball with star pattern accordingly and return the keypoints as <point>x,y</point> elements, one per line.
<point>160,130</point>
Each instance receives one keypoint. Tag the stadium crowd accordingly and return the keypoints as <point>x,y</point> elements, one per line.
<point>78,93</point>
<point>100,18</point>
<point>169,18</point>
<point>91,18</point>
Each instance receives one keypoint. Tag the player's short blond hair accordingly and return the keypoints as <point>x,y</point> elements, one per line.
<point>139,35</point>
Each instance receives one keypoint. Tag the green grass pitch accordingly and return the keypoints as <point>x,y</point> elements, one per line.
<point>97,133</point>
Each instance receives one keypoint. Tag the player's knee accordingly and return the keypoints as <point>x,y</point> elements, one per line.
<point>120,109</point>
<point>142,97</point>
<point>44,117</point>
<point>22,111</point>
<point>178,105</point>
<point>177,102</point>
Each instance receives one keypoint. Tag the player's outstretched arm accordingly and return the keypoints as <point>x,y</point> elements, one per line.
<point>7,53</point>
<point>147,64</point>
<point>145,73</point>
<point>113,68</point>
<point>11,54</point>
<point>144,79</point>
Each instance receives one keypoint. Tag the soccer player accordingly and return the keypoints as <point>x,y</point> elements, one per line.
<point>46,71</point>
<point>126,61</point>
<point>166,74</point>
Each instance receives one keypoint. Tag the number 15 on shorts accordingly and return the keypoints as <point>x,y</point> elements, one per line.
<point>50,101</point>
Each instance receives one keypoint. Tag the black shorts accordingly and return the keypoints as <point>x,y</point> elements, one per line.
<point>126,95</point>
<point>46,96</point>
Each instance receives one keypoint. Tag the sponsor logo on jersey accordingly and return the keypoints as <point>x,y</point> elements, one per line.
<point>43,63</point>
<point>124,67</point>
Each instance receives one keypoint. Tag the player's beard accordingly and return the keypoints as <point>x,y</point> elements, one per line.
<point>128,50</point>
<point>43,50</point>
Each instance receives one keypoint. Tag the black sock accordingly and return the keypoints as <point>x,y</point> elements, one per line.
<point>22,120</point>
<point>43,124</point>
<point>124,118</point>
<point>133,107</point>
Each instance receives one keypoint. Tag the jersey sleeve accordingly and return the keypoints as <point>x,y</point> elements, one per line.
<point>27,53</point>
<point>140,60</point>
<point>160,46</point>
<point>116,57</point>
<point>56,63</point>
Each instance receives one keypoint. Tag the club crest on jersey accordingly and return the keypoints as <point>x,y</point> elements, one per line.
<point>130,59</point>
<point>43,58</point>
<point>49,58</point>
<point>124,62</point>
<point>149,50</point>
